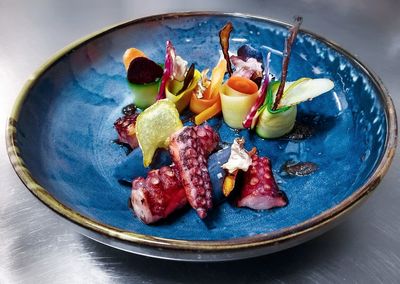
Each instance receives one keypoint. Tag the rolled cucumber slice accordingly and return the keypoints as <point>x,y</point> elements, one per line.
<point>144,95</point>
<point>273,125</point>
<point>235,106</point>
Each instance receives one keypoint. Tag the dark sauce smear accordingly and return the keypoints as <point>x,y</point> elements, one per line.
<point>129,109</point>
<point>130,204</point>
<point>187,119</point>
<point>299,168</point>
<point>126,147</point>
<point>300,131</point>
<point>125,183</point>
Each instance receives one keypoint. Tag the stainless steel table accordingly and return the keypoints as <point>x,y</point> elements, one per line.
<point>36,246</point>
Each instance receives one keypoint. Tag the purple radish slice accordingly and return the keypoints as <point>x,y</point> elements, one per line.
<point>251,118</point>
<point>168,69</point>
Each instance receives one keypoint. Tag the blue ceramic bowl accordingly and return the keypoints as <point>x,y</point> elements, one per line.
<point>61,131</point>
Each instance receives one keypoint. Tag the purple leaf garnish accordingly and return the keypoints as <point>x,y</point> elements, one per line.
<point>168,69</point>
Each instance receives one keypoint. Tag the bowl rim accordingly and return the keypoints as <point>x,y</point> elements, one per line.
<point>298,231</point>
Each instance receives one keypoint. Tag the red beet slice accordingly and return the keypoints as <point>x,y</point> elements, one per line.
<point>143,71</point>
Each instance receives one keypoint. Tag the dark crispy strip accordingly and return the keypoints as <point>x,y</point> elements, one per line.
<point>224,35</point>
<point>286,56</point>
<point>188,79</point>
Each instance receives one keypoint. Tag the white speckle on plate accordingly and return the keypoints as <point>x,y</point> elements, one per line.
<point>316,70</point>
<point>238,39</point>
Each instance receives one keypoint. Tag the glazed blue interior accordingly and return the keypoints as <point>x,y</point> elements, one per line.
<point>65,129</point>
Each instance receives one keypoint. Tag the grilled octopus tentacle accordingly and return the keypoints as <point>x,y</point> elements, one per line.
<point>155,197</point>
<point>125,127</point>
<point>260,190</point>
<point>189,156</point>
<point>162,192</point>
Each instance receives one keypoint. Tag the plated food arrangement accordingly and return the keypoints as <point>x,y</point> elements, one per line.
<point>335,151</point>
<point>242,89</point>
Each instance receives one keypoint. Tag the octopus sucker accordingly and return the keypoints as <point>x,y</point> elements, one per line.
<point>207,138</point>
<point>260,190</point>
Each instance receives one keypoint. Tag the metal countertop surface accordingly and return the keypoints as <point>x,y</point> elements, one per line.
<point>37,246</point>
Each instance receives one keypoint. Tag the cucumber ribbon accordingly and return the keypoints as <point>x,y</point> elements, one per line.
<point>276,123</point>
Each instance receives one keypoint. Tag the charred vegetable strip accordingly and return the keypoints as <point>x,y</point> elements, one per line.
<point>286,56</point>
<point>224,35</point>
<point>188,79</point>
